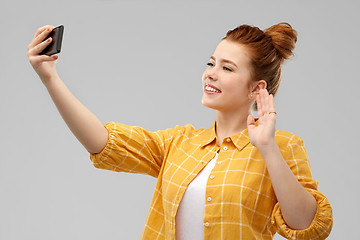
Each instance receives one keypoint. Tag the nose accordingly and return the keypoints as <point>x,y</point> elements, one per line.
<point>210,73</point>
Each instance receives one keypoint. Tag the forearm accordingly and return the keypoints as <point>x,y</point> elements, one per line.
<point>84,125</point>
<point>297,205</point>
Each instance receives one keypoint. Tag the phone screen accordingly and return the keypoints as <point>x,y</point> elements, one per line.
<point>55,45</point>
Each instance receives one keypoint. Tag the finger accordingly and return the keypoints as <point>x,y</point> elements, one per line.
<point>259,105</point>
<point>41,29</point>
<point>43,58</point>
<point>271,104</point>
<point>40,37</point>
<point>39,48</point>
<point>262,101</point>
<point>265,101</point>
<point>250,121</point>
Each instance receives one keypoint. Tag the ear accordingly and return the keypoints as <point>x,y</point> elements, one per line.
<point>258,85</point>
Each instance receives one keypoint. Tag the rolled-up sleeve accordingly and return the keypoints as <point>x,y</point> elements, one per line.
<point>133,149</point>
<point>297,159</point>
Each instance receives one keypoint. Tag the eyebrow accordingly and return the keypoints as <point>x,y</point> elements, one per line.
<point>224,60</point>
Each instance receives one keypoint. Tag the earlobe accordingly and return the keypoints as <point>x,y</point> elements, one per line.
<point>252,95</point>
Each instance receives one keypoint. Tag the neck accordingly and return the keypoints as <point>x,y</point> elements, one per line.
<point>231,123</point>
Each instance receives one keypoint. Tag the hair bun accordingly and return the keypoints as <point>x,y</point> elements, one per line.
<point>284,38</point>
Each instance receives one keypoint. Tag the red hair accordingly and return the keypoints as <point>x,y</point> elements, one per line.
<point>268,50</point>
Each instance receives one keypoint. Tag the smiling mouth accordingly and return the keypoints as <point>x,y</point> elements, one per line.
<point>211,89</point>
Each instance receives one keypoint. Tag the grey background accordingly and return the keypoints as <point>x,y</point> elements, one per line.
<point>140,63</point>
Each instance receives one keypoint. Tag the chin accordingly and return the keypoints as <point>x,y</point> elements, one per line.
<point>209,105</point>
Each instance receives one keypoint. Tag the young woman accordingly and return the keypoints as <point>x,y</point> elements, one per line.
<point>239,179</point>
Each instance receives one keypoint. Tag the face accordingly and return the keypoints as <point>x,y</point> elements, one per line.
<point>227,80</point>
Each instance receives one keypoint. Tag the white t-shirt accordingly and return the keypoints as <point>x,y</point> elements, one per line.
<point>190,215</point>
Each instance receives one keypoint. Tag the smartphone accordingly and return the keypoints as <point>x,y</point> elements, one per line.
<point>55,46</point>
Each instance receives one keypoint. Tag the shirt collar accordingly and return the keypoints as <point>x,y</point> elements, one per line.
<point>207,136</point>
<point>241,139</point>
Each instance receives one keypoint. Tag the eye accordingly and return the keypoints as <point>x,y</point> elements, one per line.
<point>210,64</point>
<point>227,69</point>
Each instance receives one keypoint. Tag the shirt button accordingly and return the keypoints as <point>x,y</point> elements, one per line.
<point>211,176</point>
<point>219,163</point>
<point>225,148</point>
<point>206,224</point>
<point>209,199</point>
<point>228,139</point>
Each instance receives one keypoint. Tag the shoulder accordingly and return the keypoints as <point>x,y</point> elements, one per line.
<point>291,146</point>
<point>188,130</point>
<point>284,138</point>
<point>189,133</point>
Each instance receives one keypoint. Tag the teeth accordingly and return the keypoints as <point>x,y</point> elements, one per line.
<point>208,88</point>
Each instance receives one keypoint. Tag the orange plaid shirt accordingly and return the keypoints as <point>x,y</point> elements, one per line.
<point>243,203</point>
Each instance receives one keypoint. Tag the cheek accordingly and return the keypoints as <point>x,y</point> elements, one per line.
<point>234,85</point>
<point>236,88</point>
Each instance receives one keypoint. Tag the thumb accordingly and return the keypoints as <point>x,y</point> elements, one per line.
<point>250,121</point>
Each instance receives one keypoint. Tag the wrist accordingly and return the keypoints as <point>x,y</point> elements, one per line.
<point>50,79</point>
<point>268,149</point>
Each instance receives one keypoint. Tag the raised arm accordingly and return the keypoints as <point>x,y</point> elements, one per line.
<point>297,205</point>
<point>84,125</point>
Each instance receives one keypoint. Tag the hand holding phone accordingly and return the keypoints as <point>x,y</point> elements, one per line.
<point>45,64</point>
<point>55,46</point>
